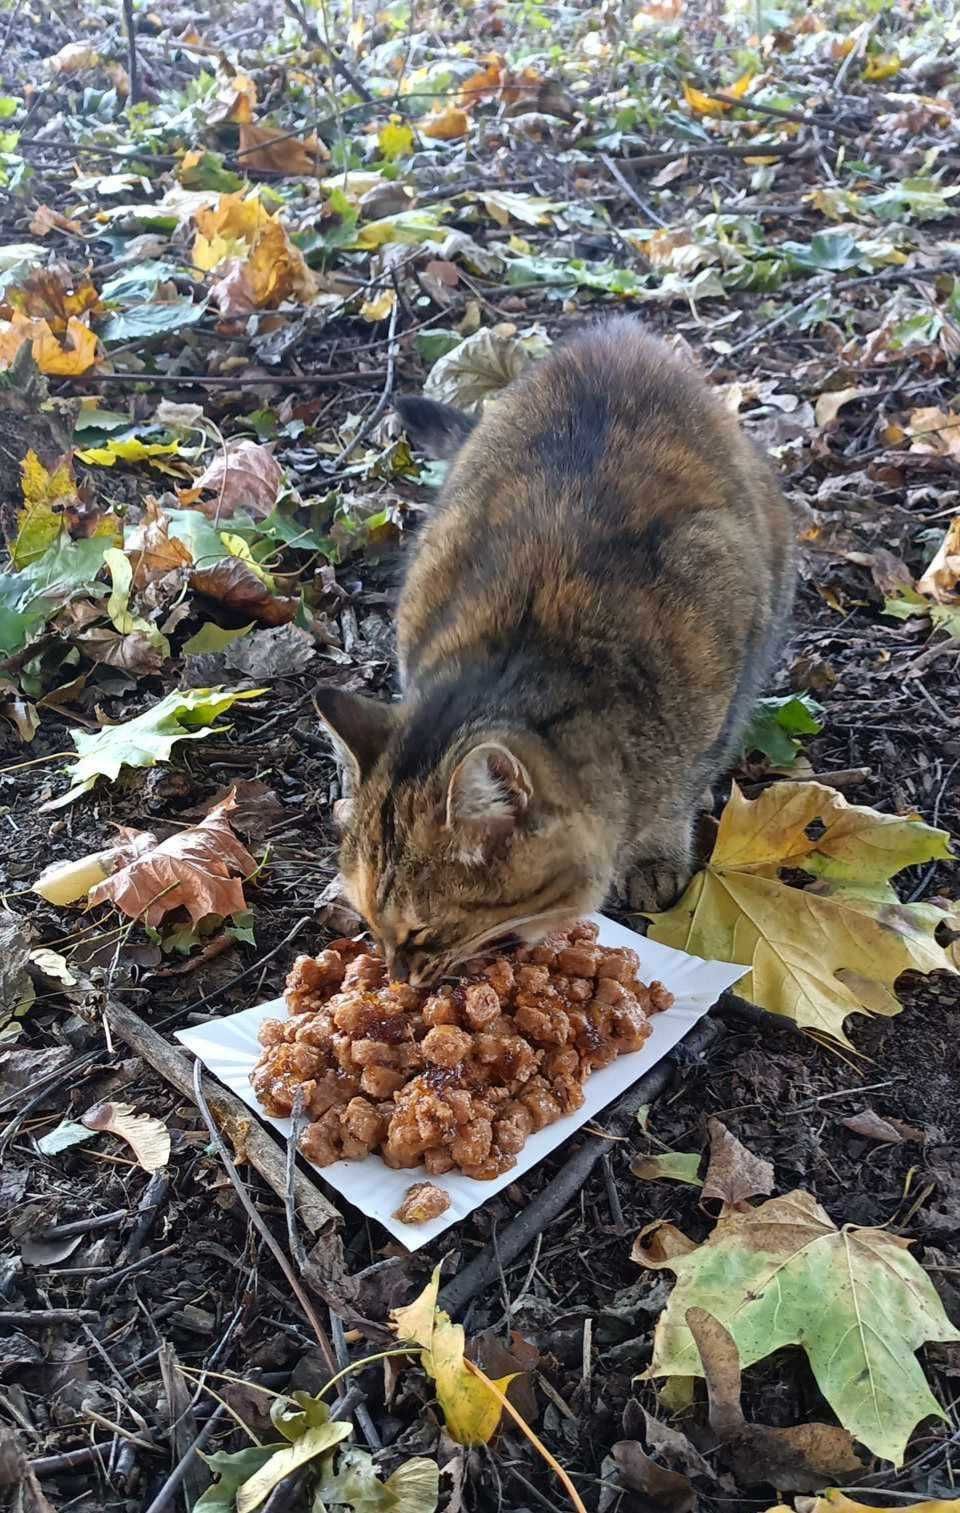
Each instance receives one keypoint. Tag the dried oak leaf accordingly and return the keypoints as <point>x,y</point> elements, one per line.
<point>244,477</point>
<point>147,1137</point>
<point>200,870</point>
<point>234,583</point>
<point>734,1173</point>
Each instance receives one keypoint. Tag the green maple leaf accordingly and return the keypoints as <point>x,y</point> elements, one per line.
<point>853,1298</point>
<point>186,714</point>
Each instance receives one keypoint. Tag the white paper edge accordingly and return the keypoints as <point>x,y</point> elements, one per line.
<point>229,1048</point>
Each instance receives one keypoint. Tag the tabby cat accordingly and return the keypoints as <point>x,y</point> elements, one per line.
<point>586,621</point>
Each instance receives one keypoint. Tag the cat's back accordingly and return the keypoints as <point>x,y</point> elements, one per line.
<point>608,470</point>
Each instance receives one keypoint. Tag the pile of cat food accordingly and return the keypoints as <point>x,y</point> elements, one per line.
<point>455,1076</point>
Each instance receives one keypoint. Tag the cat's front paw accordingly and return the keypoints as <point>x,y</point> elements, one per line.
<point>652,886</point>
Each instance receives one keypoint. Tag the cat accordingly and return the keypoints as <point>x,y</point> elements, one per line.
<point>586,621</point>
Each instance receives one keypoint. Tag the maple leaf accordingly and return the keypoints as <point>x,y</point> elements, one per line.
<point>446,123</point>
<point>264,149</point>
<point>818,953</point>
<point>76,355</point>
<point>471,1412</point>
<point>186,714</point>
<point>200,869</point>
<point>237,584</point>
<point>941,581</point>
<point>53,295</point>
<point>45,496</point>
<point>153,551</point>
<point>241,228</point>
<point>854,1299</point>
<point>244,476</point>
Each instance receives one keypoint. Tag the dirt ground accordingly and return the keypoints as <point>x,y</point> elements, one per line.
<point>169,1268</point>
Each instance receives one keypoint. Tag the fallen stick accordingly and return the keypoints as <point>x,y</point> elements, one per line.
<point>553,1199</point>
<point>247,1135</point>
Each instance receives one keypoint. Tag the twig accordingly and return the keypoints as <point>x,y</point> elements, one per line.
<point>799,116</point>
<point>48,1316</point>
<point>50,1465</point>
<point>553,1199</point>
<point>365,1422</point>
<point>255,1218</point>
<point>718,149</point>
<point>384,399</point>
<point>83,1226</point>
<point>297,1121</point>
<point>629,190</point>
<point>857,51</point>
<point>133,67</point>
<point>173,1481</point>
<point>259,1149</point>
<point>238,381</point>
<point>151,1199</point>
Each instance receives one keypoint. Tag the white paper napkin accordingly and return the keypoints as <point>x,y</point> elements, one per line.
<point>229,1049</point>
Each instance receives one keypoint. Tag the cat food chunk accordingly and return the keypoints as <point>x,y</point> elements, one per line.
<point>422,1202</point>
<point>452,1078</point>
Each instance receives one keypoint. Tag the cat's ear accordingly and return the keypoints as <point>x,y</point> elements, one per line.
<point>359,728</point>
<point>488,795</point>
<point>437,429</point>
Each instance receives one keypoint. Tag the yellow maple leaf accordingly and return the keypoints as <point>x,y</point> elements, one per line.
<point>40,522</point>
<point>705,105</point>
<point>76,355</point>
<point>446,124</point>
<point>395,139</point>
<point>815,954</point>
<point>131,450</point>
<point>379,307</point>
<point>471,1412</point>
<point>240,229</point>
<point>881,66</point>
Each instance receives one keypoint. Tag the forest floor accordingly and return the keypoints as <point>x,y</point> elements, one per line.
<point>453,187</point>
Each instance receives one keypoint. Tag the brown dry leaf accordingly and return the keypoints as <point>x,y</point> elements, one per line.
<point>53,294</point>
<point>200,870</point>
<point>874,1126</point>
<point>263,149</point>
<point>941,581</point>
<point>234,583</point>
<point>236,100</point>
<point>934,432</point>
<point>484,84</point>
<point>446,124</point>
<point>659,1242</point>
<point>829,405</point>
<point>256,808</point>
<point>152,551</point>
<point>46,220</point>
<point>246,476</point>
<point>667,1491</point>
<point>147,1137</point>
<point>801,1457</point>
<point>233,292</point>
<point>133,652</point>
<point>734,1173</point>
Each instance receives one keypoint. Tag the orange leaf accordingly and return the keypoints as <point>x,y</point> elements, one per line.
<point>245,476</point>
<point>265,150</point>
<point>482,85</point>
<point>200,870</point>
<point>50,294</point>
<point>234,583</point>
<point>446,124</point>
<point>78,354</point>
<point>153,551</point>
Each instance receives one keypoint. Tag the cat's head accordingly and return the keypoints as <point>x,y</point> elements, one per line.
<point>490,844</point>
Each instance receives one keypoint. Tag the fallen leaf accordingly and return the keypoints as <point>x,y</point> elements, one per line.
<point>46,220</point>
<point>480,367</point>
<point>122,617</point>
<point>705,105</point>
<point>445,123</point>
<point>796,940</point>
<point>246,476</point>
<point>658,1242</point>
<point>263,149</point>
<point>200,869</point>
<point>873,1126</point>
<point>67,1133</point>
<point>53,294</point>
<point>147,1137</point>
<point>234,583</point>
<point>379,307</point>
<point>837,1502</point>
<point>778,722</point>
<point>673,1166</point>
<point>76,355</point>
<point>279,651</point>
<point>395,140</point>
<point>236,99</point>
<point>64,883</point>
<point>471,1412</point>
<point>46,495</point>
<point>670,1444</point>
<point>211,639</point>
<point>854,1299</point>
<point>132,449</point>
<point>74,58</point>
<point>734,1173</point>
<point>804,1456</point>
<point>941,581</point>
<point>16,990</point>
<point>154,551</point>
<point>186,714</point>
<point>51,964</point>
<point>413,1488</point>
<point>669,1491</point>
<point>256,808</point>
<point>829,405</point>
<point>287,1459</point>
<point>241,228</point>
<point>136,653</point>
<point>881,66</point>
